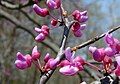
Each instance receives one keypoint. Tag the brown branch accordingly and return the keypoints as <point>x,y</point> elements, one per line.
<point>16,22</point>
<point>93,40</point>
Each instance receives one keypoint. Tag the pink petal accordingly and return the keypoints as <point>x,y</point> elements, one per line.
<point>20,56</point>
<point>35,53</point>
<point>68,70</point>
<point>117,58</point>
<point>64,63</point>
<point>68,54</point>
<point>109,39</point>
<point>83,26</point>
<point>92,49</point>
<point>109,51</point>
<point>78,33</point>
<point>40,37</point>
<point>117,71</point>
<point>38,30</point>
<point>47,57</point>
<point>79,59</point>
<point>20,64</point>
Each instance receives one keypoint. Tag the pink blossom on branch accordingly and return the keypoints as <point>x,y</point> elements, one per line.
<point>72,64</point>
<point>23,62</point>
<point>40,11</point>
<point>53,4</point>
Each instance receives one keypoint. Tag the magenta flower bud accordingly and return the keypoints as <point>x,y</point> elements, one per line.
<point>40,37</point>
<point>117,71</point>
<point>75,26</point>
<point>35,53</point>
<point>22,61</point>
<point>68,70</point>
<point>98,54</point>
<point>109,51</point>
<point>117,58</point>
<point>78,33</point>
<point>40,11</point>
<point>54,22</point>
<point>47,57</point>
<point>80,16</point>
<point>45,30</point>
<point>109,39</point>
<point>38,30</point>
<point>68,54</point>
<point>82,26</point>
<point>53,4</point>
<point>53,63</point>
<point>83,19</point>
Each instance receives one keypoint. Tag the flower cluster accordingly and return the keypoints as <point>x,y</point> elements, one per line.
<point>71,65</point>
<point>105,54</point>
<point>80,17</point>
<point>25,61</point>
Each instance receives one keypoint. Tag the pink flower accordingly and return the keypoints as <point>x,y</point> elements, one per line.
<point>110,51</point>
<point>117,58</point>
<point>72,65</point>
<point>98,54</point>
<point>77,28</point>
<point>40,11</point>
<point>80,16</point>
<point>22,61</point>
<point>50,63</point>
<point>117,71</point>
<point>43,33</point>
<point>35,53</point>
<point>53,4</point>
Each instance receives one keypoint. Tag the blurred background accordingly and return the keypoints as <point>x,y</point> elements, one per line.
<point>17,22</point>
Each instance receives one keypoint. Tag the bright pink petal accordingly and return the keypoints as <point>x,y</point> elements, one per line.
<point>64,63</point>
<point>109,51</point>
<point>35,53</point>
<point>47,57</point>
<point>68,54</point>
<point>20,56</point>
<point>68,70</point>
<point>109,39</point>
<point>40,37</point>
<point>117,58</point>
<point>38,30</point>
<point>21,64</point>
<point>117,71</point>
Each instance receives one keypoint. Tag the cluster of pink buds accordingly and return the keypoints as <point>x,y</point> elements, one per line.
<point>43,33</point>
<point>105,54</point>
<point>71,65</point>
<point>80,17</point>
<point>25,61</point>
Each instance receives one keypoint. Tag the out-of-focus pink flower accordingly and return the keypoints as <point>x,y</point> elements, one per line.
<point>43,33</point>
<point>53,4</point>
<point>22,61</point>
<point>35,53</point>
<point>80,16</point>
<point>117,71</point>
<point>117,58</point>
<point>98,54</point>
<point>40,11</point>
<point>54,22</point>
<point>72,65</point>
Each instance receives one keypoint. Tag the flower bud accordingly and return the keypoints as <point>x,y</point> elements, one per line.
<point>54,22</point>
<point>53,4</point>
<point>35,53</point>
<point>40,11</point>
<point>40,37</point>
